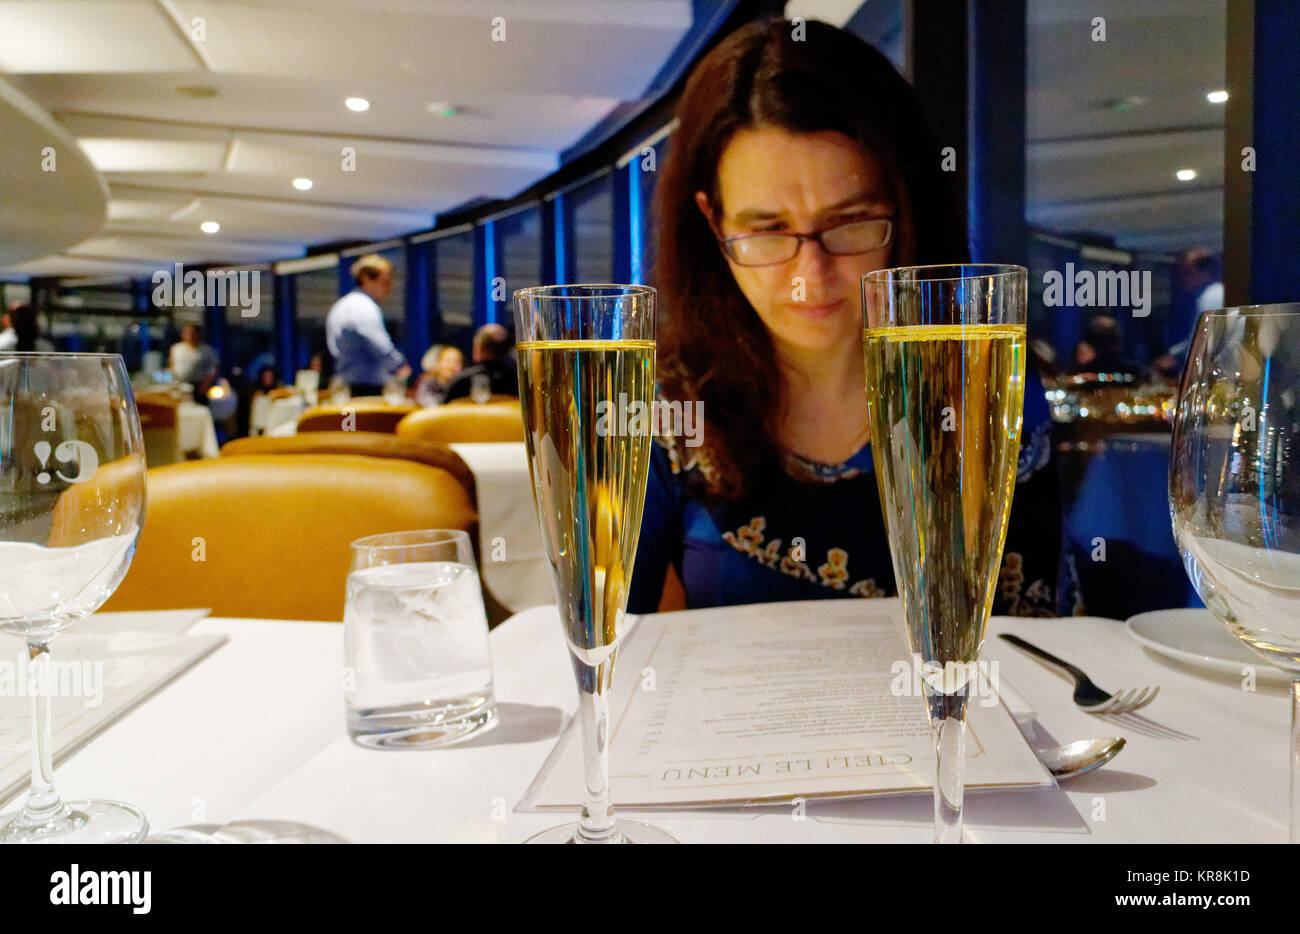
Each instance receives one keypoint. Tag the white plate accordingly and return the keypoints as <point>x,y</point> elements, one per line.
<point>1197,637</point>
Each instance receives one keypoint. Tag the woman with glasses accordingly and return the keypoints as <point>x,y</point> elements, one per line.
<point>801,162</point>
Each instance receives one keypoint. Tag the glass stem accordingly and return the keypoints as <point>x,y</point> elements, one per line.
<point>950,759</point>
<point>44,806</point>
<point>1295,761</point>
<point>597,824</point>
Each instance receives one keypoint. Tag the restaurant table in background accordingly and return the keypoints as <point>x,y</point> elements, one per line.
<point>511,556</point>
<point>198,433</point>
<point>1115,501</point>
<point>1205,762</point>
<point>267,414</point>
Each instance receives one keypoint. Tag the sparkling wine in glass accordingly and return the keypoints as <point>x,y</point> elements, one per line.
<point>72,501</point>
<point>1234,485</point>
<point>586,369</point>
<point>944,348</point>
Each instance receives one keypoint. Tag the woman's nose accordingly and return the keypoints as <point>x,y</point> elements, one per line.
<point>812,262</point>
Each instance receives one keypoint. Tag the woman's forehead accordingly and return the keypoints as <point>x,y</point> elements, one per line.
<point>771,171</point>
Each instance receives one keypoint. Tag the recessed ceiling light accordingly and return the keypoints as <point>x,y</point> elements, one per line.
<point>1217,97</point>
<point>357,103</point>
<point>442,109</point>
<point>302,184</point>
<point>1185,175</point>
<point>209,227</point>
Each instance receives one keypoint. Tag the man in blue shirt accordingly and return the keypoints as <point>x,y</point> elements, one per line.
<point>364,355</point>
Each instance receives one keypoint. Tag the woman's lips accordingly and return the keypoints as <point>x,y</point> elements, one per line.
<point>811,310</point>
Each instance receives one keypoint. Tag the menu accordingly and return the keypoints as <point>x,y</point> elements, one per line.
<point>768,703</point>
<point>102,668</point>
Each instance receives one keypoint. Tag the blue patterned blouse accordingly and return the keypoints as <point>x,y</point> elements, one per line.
<point>822,535</point>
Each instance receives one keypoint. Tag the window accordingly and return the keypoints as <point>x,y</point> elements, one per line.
<point>453,290</point>
<point>648,165</point>
<point>316,292</point>
<point>589,231</point>
<point>249,337</point>
<point>518,239</point>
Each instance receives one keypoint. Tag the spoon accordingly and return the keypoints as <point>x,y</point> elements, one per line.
<point>1076,758</point>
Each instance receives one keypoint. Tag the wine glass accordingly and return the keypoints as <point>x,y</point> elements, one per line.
<point>480,388</point>
<point>944,348</point>
<point>1234,485</point>
<point>585,351</point>
<point>72,501</point>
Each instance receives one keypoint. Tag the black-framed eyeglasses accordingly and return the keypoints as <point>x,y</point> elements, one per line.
<point>771,249</point>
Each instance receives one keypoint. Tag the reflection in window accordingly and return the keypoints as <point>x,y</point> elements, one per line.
<point>518,256</point>
<point>249,338</point>
<point>1112,130</point>
<point>648,167</point>
<point>317,291</point>
<point>452,293</point>
<point>589,231</point>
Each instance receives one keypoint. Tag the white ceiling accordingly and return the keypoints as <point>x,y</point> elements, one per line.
<point>198,110</point>
<point>1092,167</point>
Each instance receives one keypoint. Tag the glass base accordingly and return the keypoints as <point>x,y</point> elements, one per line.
<point>82,822</point>
<point>628,832</point>
<point>419,727</point>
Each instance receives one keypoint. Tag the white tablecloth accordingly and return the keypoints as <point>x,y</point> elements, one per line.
<point>267,415</point>
<point>197,431</point>
<point>1208,762</point>
<point>510,541</point>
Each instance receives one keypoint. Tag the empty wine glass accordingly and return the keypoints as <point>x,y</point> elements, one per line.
<point>1234,484</point>
<point>72,502</point>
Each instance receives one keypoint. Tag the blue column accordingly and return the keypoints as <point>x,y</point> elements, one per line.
<point>491,270</point>
<point>621,235</point>
<point>214,324</point>
<point>563,267</point>
<point>482,294</point>
<point>417,333</point>
<point>1275,201</point>
<point>995,194</point>
<point>549,235</point>
<point>634,213</point>
<point>346,283</point>
<point>140,296</point>
<point>285,336</point>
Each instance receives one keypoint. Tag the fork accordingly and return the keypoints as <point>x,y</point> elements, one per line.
<point>1086,694</point>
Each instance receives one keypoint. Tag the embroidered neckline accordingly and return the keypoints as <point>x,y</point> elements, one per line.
<point>816,471</point>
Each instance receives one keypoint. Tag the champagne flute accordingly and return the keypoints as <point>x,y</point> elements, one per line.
<point>586,372</point>
<point>944,348</point>
<point>1234,485</point>
<point>72,500</point>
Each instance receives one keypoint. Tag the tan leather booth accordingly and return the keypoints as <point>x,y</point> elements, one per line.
<point>361,414</point>
<point>367,443</point>
<point>267,536</point>
<point>454,424</point>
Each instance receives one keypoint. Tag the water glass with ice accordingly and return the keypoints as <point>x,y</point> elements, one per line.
<point>418,672</point>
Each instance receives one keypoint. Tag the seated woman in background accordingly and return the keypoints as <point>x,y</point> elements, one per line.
<point>266,381</point>
<point>798,166</point>
<point>439,366</point>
